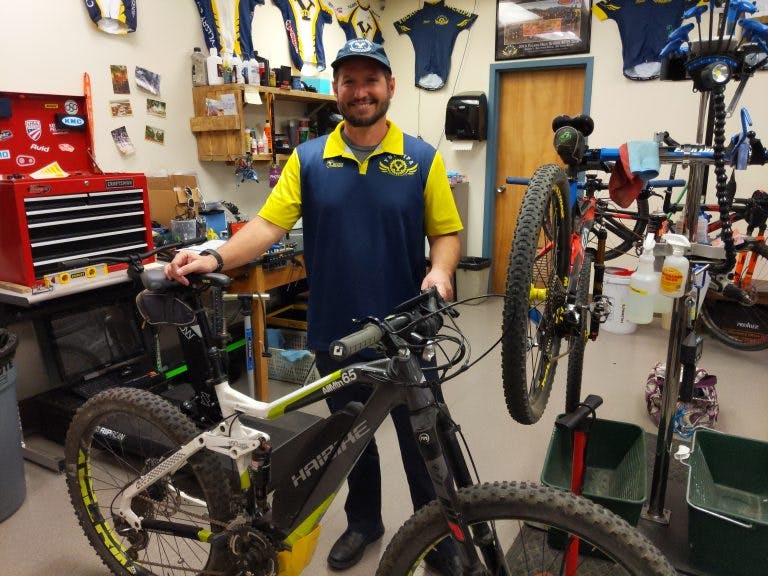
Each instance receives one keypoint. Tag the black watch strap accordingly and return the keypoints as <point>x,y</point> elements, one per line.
<point>219,259</point>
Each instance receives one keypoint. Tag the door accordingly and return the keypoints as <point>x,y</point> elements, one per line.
<point>528,101</point>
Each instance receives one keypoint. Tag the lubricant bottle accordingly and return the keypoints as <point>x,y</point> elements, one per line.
<point>674,272</point>
<point>237,69</point>
<point>643,286</point>
<point>199,68</point>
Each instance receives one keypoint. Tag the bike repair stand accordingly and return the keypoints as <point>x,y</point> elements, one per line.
<point>578,424</point>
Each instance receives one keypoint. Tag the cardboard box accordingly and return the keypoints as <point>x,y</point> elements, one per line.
<point>167,197</point>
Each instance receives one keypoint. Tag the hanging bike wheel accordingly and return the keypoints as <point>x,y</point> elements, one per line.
<point>528,527</point>
<point>116,437</point>
<point>535,292</point>
<point>742,323</point>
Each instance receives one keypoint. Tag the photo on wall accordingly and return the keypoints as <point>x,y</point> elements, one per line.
<point>534,28</point>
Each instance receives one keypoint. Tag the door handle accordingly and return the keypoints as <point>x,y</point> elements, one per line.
<point>501,188</point>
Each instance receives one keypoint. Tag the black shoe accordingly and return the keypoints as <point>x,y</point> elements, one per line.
<point>349,548</point>
<point>444,561</point>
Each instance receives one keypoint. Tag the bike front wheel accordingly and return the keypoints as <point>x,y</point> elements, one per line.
<point>529,527</point>
<point>535,293</point>
<point>117,436</point>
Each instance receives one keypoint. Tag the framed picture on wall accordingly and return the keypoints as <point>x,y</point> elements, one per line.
<point>533,28</point>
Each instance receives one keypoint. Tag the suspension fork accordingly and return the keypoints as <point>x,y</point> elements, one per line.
<point>439,460</point>
<point>482,534</point>
<point>597,285</point>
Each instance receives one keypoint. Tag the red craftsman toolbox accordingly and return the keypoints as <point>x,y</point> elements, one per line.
<point>55,204</point>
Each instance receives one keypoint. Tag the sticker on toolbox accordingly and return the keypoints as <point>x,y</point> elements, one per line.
<point>76,276</point>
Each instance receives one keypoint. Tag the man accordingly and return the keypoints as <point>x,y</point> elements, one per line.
<point>368,194</point>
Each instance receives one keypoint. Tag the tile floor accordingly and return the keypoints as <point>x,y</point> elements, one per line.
<point>42,538</point>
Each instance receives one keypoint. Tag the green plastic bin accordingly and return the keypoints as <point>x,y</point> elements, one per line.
<point>727,499</point>
<point>616,469</point>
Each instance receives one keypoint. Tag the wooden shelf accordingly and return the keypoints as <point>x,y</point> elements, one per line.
<point>222,138</point>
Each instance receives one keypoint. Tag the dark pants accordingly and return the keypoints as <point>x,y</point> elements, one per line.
<point>363,505</point>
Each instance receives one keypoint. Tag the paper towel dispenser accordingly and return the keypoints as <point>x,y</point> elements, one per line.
<point>465,116</point>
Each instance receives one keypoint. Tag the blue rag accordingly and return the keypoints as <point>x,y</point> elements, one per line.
<point>294,355</point>
<point>644,159</point>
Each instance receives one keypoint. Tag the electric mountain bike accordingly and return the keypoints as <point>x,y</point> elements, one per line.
<point>156,494</point>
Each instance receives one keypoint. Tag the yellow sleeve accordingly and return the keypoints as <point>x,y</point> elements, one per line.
<point>283,205</point>
<point>440,213</point>
<point>598,11</point>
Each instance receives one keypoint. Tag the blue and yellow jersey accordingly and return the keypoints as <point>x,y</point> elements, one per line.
<point>113,16</point>
<point>433,30</point>
<point>227,25</point>
<point>364,224</point>
<point>357,20</point>
<point>304,21</point>
<point>644,28</point>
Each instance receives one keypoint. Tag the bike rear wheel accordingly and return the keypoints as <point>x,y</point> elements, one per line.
<point>535,292</point>
<point>116,437</point>
<point>742,325</point>
<point>530,524</point>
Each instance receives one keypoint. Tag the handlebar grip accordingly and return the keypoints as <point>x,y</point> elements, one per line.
<point>353,343</point>
<point>665,183</point>
<point>517,180</point>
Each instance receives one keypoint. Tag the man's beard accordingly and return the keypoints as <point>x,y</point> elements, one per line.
<point>362,121</point>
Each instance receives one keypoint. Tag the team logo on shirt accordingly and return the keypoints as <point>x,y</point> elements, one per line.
<point>330,163</point>
<point>398,165</point>
<point>441,20</point>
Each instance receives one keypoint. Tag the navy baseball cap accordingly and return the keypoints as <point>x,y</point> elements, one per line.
<point>362,48</point>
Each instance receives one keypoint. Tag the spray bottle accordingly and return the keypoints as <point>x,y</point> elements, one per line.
<point>643,286</point>
<point>674,272</point>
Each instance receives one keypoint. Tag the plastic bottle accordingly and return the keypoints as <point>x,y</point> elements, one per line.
<point>214,66</point>
<point>252,66</point>
<point>199,68</point>
<point>226,67</point>
<point>674,272</point>
<point>263,68</point>
<point>237,69</point>
<point>268,137</point>
<point>702,228</point>
<point>643,286</point>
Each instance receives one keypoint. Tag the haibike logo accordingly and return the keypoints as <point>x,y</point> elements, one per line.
<point>358,433</point>
<point>747,325</point>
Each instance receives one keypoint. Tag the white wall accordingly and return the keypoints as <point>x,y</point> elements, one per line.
<point>46,47</point>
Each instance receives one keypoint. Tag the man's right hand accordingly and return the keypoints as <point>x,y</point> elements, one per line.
<point>186,262</point>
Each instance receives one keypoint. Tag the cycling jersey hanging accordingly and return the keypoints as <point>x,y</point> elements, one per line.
<point>644,27</point>
<point>357,19</point>
<point>113,16</point>
<point>433,30</point>
<point>304,21</point>
<point>227,25</point>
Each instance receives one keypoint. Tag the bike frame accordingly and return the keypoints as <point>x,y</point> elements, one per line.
<point>322,457</point>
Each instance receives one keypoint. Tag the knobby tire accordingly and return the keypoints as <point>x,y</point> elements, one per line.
<point>521,514</point>
<point>530,341</point>
<point>115,437</point>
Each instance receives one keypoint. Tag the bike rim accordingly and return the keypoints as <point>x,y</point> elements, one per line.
<point>115,451</point>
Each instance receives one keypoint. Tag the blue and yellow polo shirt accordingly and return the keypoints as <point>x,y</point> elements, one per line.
<point>364,224</point>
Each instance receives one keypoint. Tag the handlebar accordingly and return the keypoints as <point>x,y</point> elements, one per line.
<point>420,317</point>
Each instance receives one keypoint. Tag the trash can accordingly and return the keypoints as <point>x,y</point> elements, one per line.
<point>472,276</point>
<point>14,488</point>
<point>616,288</point>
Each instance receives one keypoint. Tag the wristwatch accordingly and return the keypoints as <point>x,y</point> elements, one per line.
<point>219,259</point>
